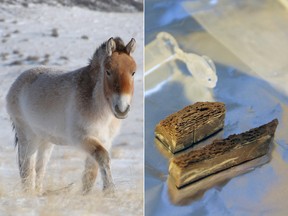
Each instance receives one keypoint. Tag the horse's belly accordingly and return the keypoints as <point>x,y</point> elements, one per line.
<point>62,129</point>
<point>61,123</point>
<point>45,122</point>
<point>49,128</point>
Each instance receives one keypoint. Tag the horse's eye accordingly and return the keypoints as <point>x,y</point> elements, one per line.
<point>108,73</point>
<point>133,73</point>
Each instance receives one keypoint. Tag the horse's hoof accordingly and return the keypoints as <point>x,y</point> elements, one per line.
<point>110,191</point>
<point>85,191</point>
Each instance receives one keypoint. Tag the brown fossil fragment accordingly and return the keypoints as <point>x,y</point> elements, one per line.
<point>190,125</point>
<point>222,154</point>
<point>195,191</point>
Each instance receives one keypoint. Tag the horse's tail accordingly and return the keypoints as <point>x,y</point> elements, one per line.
<point>16,143</point>
<point>16,136</point>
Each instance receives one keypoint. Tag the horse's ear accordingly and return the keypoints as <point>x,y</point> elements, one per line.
<point>130,47</point>
<point>110,46</point>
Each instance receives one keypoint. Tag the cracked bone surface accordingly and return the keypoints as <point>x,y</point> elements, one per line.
<point>222,154</point>
<point>190,125</point>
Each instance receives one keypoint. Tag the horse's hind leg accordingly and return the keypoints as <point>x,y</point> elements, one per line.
<point>43,156</point>
<point>27,150</point>
<point>100,154</point>
<point>90,174</point>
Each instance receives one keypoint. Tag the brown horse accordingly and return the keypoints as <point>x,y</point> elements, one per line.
<point>80,108</point>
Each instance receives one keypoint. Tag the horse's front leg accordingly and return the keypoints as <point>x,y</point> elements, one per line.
<point>90,174</point>
<point>101,156</point>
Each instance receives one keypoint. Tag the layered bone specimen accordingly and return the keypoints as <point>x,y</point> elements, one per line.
<point>222,154</point>
<point>194,191</point>
<point>190,125</point>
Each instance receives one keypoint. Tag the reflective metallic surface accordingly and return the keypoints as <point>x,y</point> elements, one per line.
<point>250,101</point>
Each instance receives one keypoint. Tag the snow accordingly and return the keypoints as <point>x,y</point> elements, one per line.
<point>27,41</point>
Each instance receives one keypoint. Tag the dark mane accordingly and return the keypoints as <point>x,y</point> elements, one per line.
<point>120,47</point>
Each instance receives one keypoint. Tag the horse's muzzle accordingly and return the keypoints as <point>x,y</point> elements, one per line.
<point>119,114</point>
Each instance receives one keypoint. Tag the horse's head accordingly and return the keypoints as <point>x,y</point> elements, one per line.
<point>119,70</point>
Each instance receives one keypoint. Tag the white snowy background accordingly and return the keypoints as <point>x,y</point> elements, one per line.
<point>37,34</point>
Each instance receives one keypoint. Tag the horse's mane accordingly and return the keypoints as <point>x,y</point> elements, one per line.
<point>120,46</point>
<point>101,50</point>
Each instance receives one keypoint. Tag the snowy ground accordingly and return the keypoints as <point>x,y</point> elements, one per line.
<point>67,37</point>
<point>99,5</point>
